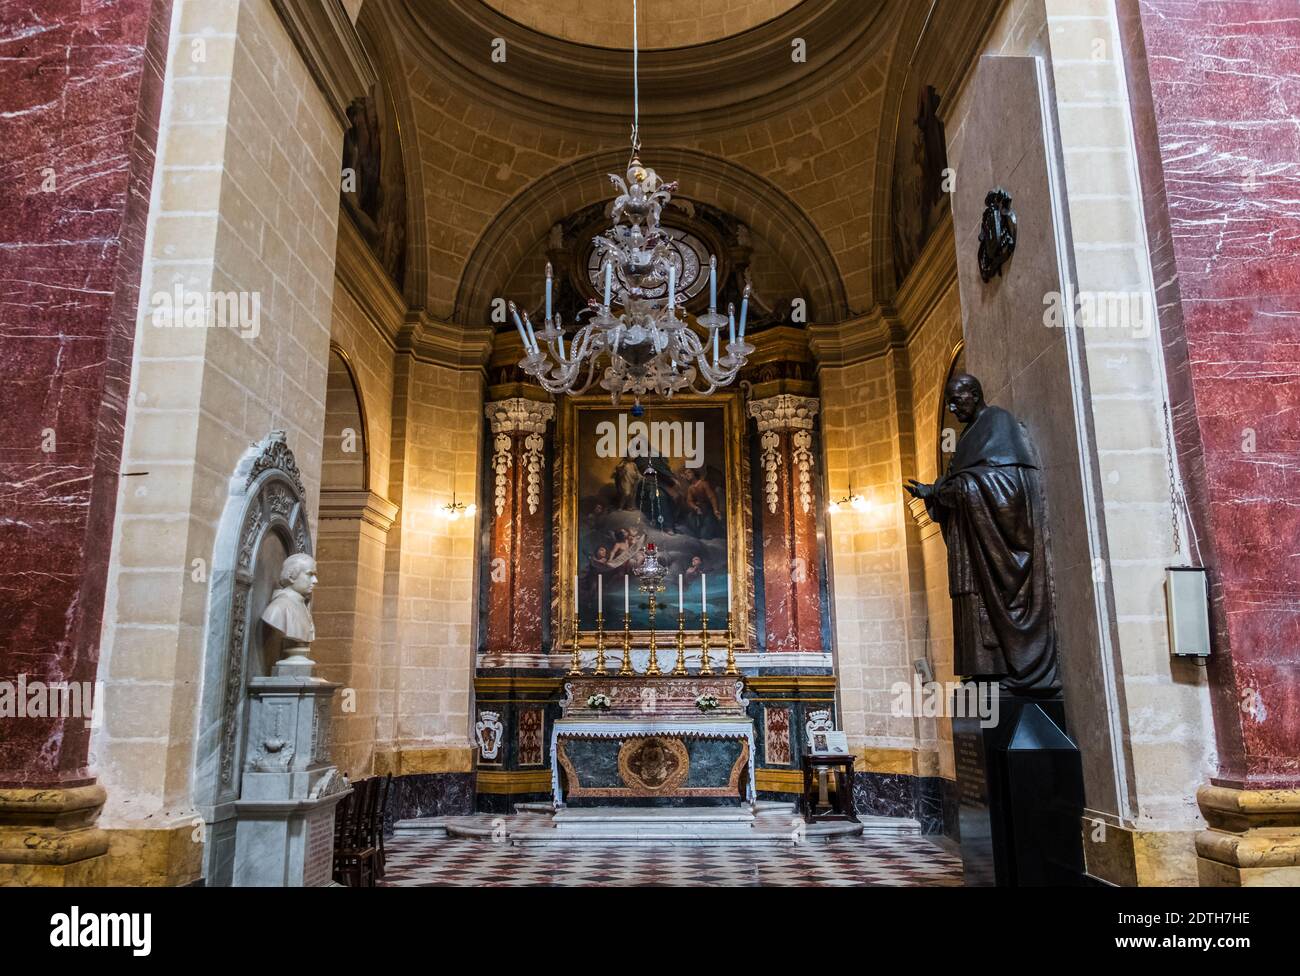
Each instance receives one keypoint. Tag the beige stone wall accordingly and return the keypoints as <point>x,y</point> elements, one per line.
<point>868,551</point>
<point>245,199</point>
<point>430,593</point>
<point>348,604</point>
<point>1156,710</point>
<point>930,347</point>
<point>1163,704</point>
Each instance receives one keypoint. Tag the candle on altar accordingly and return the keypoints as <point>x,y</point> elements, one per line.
<point>728,591</point>
<point>625,595</point>
<point>681,604</point>
<point>576,583</point>
<point>600,593</point>
<point>704,592</point>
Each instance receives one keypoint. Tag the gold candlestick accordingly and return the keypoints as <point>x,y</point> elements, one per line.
<point>731,648</point>
<point>652,667</point>
<point>626,668</point>
<point>681,644</point>
<point>576,666</point>
<point>600,645</point>
<point>706,666</point>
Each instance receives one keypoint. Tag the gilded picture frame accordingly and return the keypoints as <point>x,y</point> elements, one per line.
<point>738,532</point>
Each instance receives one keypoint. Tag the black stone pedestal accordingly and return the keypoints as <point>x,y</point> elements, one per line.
<point>1020,784</point>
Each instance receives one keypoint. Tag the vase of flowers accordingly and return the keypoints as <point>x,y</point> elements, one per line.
<point>706,703</point>
<point>599,703</point>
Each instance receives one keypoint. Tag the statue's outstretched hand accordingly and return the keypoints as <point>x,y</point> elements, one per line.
<point>918,490</point>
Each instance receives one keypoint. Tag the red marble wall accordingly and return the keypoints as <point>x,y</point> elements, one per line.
<point>1215,88</point>
<point>514,623</point>
<point>80,92</point>
<point>791,563</point>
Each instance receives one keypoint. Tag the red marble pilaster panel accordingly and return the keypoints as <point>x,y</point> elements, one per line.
<point>1214,88</point>
<point>82,90</point>
<point>515,583</point>
<point>791,559</point>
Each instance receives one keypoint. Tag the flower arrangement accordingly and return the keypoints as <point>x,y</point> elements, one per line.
<point>599,702</point>
<point>706,703</point>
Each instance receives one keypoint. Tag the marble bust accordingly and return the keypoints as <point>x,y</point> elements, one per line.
<point>288,612</point>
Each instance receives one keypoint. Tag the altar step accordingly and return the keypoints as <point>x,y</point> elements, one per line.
<point>761,806</point>
<point>768,824</point>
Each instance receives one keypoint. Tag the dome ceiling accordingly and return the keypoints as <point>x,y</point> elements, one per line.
<point>802,152</point>
<point>663,23</point>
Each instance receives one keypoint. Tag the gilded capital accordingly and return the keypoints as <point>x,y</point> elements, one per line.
<point>785,411</point>
<point>519,415</point>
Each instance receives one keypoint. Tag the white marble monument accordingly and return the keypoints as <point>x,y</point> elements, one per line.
<point>285,812</point>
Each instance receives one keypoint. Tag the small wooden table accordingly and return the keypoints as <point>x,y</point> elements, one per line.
<point>842,805</point>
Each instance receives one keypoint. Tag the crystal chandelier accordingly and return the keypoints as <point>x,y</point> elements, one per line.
<point>632,343</point>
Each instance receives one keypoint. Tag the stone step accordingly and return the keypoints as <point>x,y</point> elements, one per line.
<point>671,819</point>
<point>536,807</point>
<point>643,827</point>
<point>422,827</point>
<point>890,826</point>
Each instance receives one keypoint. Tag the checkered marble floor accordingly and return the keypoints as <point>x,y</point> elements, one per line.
<point>884,861</point>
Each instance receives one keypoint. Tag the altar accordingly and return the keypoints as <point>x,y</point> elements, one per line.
<point>652,744</point>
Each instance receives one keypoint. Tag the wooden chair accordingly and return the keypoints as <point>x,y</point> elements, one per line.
<point>378,808</point>
<point>354,856</point>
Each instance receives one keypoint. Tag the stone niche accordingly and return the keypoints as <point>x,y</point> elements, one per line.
<point>264,520</point>
<point>1007,138</point>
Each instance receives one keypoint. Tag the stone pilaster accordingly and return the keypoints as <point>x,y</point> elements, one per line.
<point>788,513</point>
<point>515,506</point>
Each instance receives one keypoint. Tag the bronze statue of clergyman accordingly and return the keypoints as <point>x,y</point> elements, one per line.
<point>990,507</point>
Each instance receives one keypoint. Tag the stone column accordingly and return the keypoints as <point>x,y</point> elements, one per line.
<point>788,513</point>
<point>515,583</point>
<point>85,95</point>
<point>1226,304</point>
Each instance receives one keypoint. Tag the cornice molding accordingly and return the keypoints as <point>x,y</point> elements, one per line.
<point>358,270</point>
<point>780,343</point>
<point>587,87</point>
<point>855,340</point>
<point>357,504</point>
<point>443,344</point>
<point>324,35</point>
<point>933,275</point>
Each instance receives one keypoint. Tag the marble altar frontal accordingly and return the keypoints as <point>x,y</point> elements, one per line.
<point>653,745</point>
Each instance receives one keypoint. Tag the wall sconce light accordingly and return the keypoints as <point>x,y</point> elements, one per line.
<point>453,510</point>
<point>853,500</point>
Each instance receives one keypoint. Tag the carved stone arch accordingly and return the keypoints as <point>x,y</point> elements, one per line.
<point>344,403</point>
<point>748,196</point>
<point>938,40</point>
<point>943,417</point>
<point>266,501</point>
<point>376,37</point>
